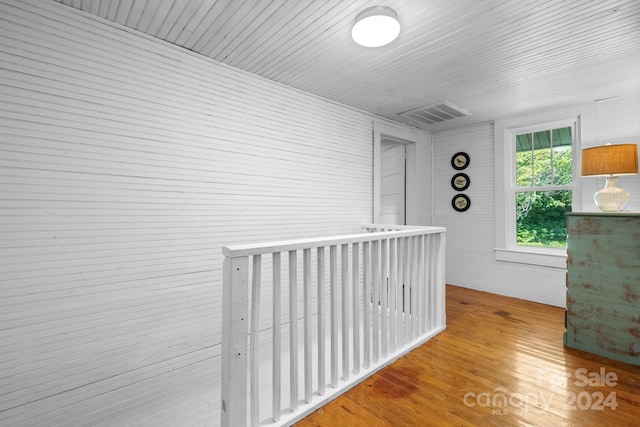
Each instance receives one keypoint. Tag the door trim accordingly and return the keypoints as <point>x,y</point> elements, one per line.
<point>408,136</point>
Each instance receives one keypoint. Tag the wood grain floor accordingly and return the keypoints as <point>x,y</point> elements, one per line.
<point>501,362</point>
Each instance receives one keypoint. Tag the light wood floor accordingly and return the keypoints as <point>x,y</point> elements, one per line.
<point>501,362</point>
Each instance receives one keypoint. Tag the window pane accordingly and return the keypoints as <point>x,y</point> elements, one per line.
<point>540,218</point>
<point>561,157</point>
<point>562,137</point>
<point>523,142</point>
<point>542,158</point>
<point>524,167</point>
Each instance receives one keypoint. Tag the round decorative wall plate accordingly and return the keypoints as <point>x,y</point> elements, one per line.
<point>461,202</point>
<point>460,181</point>
<point>460,160</point>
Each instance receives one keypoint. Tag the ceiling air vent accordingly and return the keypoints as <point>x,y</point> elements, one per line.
<point>435,113</point>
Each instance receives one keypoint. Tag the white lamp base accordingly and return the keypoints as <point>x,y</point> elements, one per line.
<point>612,198</point>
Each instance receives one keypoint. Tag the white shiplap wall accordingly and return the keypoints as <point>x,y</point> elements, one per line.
<point>125,165</point>
<point>471,236</point>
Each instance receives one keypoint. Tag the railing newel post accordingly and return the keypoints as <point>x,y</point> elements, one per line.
<point>235,341</point>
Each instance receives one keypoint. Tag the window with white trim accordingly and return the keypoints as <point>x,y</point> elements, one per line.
<point>539,188</point>
<point>542,186</point>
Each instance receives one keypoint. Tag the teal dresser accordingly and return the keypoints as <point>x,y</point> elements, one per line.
<point>603,284</point>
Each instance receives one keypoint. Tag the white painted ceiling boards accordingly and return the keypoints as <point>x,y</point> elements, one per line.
<point>494,58</point>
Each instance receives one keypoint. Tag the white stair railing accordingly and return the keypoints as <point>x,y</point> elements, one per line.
<point>383,296</point>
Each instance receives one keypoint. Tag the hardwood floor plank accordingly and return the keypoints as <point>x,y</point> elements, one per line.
<point>501,362</point>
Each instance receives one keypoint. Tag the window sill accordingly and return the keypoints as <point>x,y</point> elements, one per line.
<point>555,258</point>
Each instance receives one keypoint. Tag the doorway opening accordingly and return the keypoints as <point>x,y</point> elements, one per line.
<point>393,181</point>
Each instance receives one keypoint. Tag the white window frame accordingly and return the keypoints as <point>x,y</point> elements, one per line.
<point>506,248</point>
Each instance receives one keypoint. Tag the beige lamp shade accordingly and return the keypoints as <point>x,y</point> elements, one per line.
<point>619,159</point>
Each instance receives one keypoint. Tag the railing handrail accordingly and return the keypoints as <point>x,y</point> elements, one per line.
<point>314,242</point>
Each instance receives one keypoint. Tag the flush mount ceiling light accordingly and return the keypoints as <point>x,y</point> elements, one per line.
<point>376,26</point>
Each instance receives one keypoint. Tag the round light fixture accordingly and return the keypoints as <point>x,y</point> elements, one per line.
<point>376,26</point>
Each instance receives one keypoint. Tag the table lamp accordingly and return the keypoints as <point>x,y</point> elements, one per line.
<point>610,161</point>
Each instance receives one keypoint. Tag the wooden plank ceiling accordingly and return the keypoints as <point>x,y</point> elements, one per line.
<point>493,58</point>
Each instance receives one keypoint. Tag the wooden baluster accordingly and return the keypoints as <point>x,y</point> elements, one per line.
<point>308,370</point>
<point>417,283</point>
<point>415,288</point>
<point>293,328</point>
<point>440,279</point>
<point>422,285</point>
<point>355,265</point>
<point>393,308</point>
<point>375,306</point>
<point>427,274</point>
<point>400,293</point>
<point>277,336</point>
<point>434,280</point>
<point>333,271</point>
<point>321,330</point>
<point>254,356</point>
<point>366,305</point>
<point>430,280</point>
<point>406,274</point>
<point>344,273</point>
<point>384,289</point>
